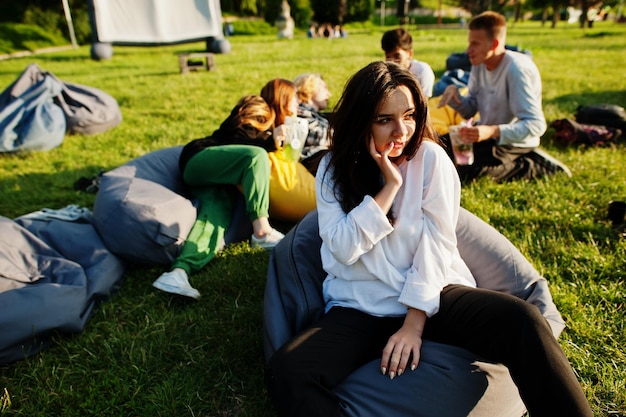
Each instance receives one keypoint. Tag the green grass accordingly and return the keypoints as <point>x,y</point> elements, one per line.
<point>145,353</point>
<point>22,37</point>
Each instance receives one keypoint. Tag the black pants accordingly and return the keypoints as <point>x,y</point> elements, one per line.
<point>498,327</point>
<point>501,163</point>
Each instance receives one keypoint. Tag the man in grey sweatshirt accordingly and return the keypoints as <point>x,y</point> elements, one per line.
<point>505,90</point>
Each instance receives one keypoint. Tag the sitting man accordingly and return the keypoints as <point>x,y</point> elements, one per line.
<point>398,47</point>
<point>505,88</point>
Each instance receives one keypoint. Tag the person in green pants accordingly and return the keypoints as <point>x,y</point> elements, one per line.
<point>233,159</point>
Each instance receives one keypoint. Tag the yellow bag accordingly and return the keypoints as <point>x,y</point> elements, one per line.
<point>444,117</point>
<point>292,188</point>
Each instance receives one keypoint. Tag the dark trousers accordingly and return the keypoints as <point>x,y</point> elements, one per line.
<point>501,163</point>
<point>498,327</point>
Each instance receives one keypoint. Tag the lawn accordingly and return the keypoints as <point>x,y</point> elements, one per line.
<point>145,353</point>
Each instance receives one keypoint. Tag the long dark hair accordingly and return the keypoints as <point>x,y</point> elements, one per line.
<point>355,172</point>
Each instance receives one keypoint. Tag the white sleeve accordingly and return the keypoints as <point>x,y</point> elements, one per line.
<point>441,191</point>
<point>347,235</point>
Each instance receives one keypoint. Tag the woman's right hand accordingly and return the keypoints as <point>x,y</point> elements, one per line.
<point>390,171</point>
<point>391,174</point>
<point>280,136</point>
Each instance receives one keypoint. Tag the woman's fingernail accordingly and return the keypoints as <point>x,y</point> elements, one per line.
<point>383,370</point>
<point>413,366</point>
<point>400,371</point>
<point>392,375</point>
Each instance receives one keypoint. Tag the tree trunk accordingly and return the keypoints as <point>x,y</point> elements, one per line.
<point>402,11</point>
<point>583,16</point>
<point>555,13</point>
<point>518,10</point>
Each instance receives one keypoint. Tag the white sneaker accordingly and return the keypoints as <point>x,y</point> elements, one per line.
<point>176,282</point>
<point>268,241</point>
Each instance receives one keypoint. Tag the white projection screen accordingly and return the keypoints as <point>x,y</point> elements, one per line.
<point>154,22</point>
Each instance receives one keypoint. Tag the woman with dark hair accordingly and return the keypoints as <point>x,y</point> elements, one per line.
<point>388,201</point>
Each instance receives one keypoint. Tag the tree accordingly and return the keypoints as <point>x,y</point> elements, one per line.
<point>49,16</point>
<point>556,7</point>
<point>300,11</point>
<point>402,11</point>
<point>241,7</point>
<point>475,6</point>
<point>585,5</point>
<point>329,11</point>
<point>341,11</point>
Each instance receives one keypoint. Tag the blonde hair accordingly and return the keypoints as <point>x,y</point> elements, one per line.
<point>254,111</point>
<point>306,86</point>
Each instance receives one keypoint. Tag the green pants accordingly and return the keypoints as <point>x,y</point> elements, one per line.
<point>211,175</point>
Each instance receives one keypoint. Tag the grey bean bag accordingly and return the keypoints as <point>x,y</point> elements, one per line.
<point>29,119</point>
<point>144,212</point>
<point>82,109</point>
<point>449,381</point>
<point>52,275</point>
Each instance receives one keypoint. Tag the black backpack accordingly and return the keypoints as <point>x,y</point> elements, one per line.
<point>569,132</point>
<point>609,115</point>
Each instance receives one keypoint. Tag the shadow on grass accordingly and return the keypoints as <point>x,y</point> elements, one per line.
<point>569,102</point>
<point>601,34</point>
<point>147,350</point>
<point>25,193</point>
<point>206,354</point>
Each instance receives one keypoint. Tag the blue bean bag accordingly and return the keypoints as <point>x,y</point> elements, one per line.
<point>449,381</point>
<point>38,109</point>
<point>52,275</point>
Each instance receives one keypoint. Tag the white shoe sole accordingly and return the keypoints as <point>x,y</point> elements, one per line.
<point>264,243</point>
<point>186,292</point>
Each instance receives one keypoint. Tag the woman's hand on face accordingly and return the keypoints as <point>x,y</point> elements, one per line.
<point>403,347</point>
<point>390,171</point>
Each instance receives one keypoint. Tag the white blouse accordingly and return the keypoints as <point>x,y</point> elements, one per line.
<point>382,269</point>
